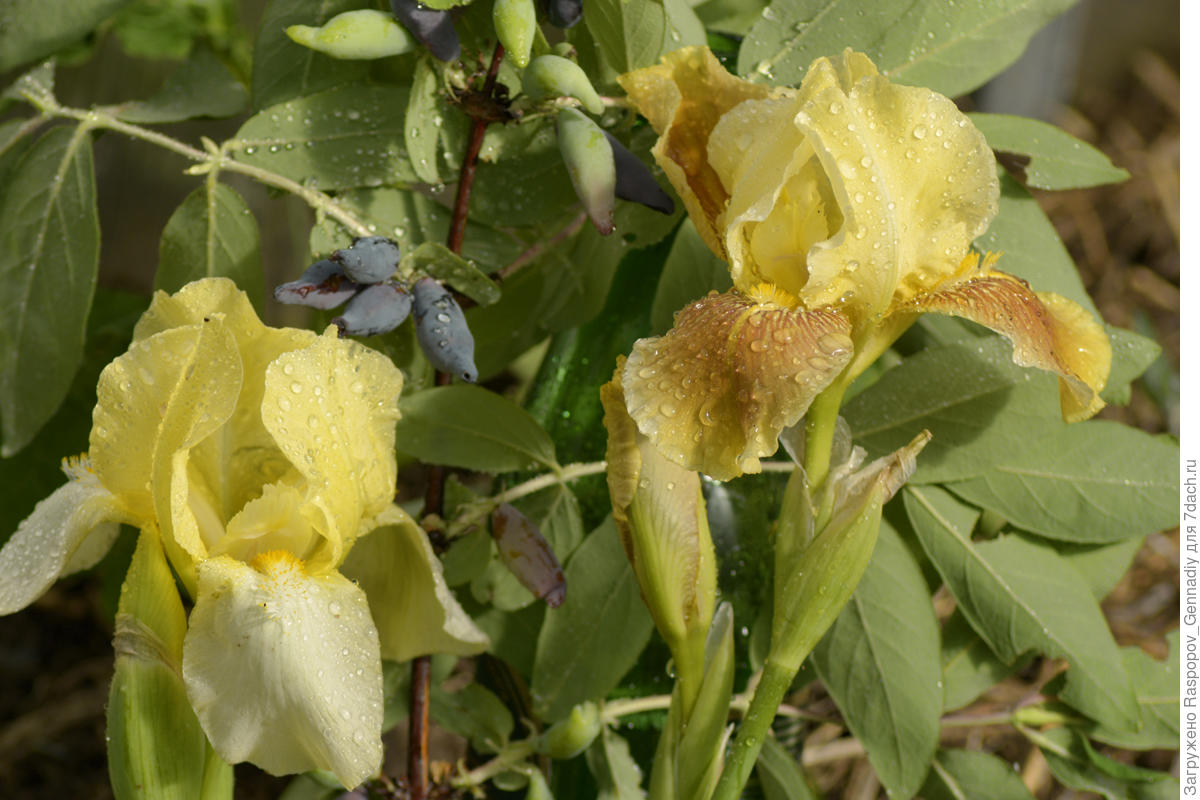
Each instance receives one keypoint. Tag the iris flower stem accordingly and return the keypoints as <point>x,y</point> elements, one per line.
<point>756,724</point>
<point>819,425</point>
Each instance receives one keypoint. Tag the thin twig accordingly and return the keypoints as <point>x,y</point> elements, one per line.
<point>482,508</point>
<point>466,176</point>
<point>418,730</point>
<point>542,245</point>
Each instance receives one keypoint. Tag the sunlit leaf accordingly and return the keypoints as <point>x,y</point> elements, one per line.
<point>1057,160</point>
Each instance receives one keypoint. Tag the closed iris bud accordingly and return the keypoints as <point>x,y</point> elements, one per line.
<point>538,788</point>
<point>323,285</point>
<point>635,182</point>
<point>431,27</point>
<point>376,309</point>
<point>442,330</point>
<point>370,259</point>
<point>555,76</point>
<point>515,22</point>
<point>528,556</point>
<point>589,160</point>
<point>355,35</point>
<point>564,13</point>
<point>569,737</point>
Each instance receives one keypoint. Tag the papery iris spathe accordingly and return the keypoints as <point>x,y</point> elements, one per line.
<point>844,208</point>
<point>263,458</point>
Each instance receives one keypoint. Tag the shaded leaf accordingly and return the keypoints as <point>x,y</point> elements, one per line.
<point>950,47</point>
<point>32,29</point>
<point>474,713</point>
<point>469,427</point>
<point>49,255</point>
<point>779,774</point>
<point>617,774</point>
<point>879,662</point>
<point>283,69</point>
<point>340,138</point>
<point>964,774</point>
<point>1057,160</point>
<point>1156,683</point>
<point>1102,566</point>
<point>211,234</point>
<point>969,667</point>
<point>201,87</point>
<point>1076,764</point>
<point>1020,596</point>
<point>423,131</point>
<point>691,271</point>
<point>588,644</point>
<point>630,33</point>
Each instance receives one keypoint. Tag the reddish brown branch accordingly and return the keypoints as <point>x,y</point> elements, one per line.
<point>466,176</point>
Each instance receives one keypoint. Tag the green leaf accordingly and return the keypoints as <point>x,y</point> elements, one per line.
<point>49,255</point>
<point>684,28</point>
<point>962,774</point>
<point>690,272</point>
<point>469,427</point>
<point>779,774</point>
<point>437,260</point>
<point>283,69</point>
<point>1132,354</point>
<point>879,662</point>
<point>1020,596</point>
<point>1102,566</point>
<point>1157,686</point>
<point>588,644</point>
<point>617,774</point>
<point>969,667</point>
<point>12,134</point>
<point>340,138</point>
<point>1057,160</point>
<point>469,555</point>
<point>976,402</point>
<point>513,634</point>
<point>211,234</point>
<point>630,33</point>
<point>555,513</point>
<point>474,713</point>
<point>423,129</point>
<point>201,87</point>
<point>1030,247</point>
<point>1090,483</point>
<point>950,47</point>
<point>1076,764</point>
<point>32,29</point>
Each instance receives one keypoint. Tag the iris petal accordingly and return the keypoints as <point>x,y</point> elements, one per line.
<point>282,667</point>
<point>1047,331</point>
<point>715,391</point>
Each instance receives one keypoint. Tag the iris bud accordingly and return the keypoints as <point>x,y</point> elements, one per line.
<point>515,22</point>
<point>323,285</point>
<point>355,35</point>
<point>555,76</point>
<point>431,27</point>
<point>635,182</point>
<point>376,309</point>
<point>589,159</point>
<point>370,259</point>
<point>442,330</point>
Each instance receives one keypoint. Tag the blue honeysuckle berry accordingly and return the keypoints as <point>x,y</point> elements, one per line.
<point>376,309</point>
<point>564,13</point>
<point>371,259</point>
<point>323,285</point>
<point>442,330</point>
<point>431,27</point>
<point>635,182</point>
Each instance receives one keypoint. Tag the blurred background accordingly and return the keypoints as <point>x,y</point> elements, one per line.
<point>1107,72</point>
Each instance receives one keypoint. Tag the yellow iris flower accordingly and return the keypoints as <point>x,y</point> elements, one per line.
<point>263,458</point>
<point>844,208</point>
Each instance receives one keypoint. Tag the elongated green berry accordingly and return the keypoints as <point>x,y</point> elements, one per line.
<point>515,22</point>
<point>323,285</point>
<point>569,737</point>
<point>555,76</point>
<point>376,309</point>
<point>370,259</point>
<point>359,34</point>
<point>442,330</point>
<point>589,160</point>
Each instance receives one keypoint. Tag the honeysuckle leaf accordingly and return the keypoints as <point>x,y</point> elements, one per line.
<point>283,69</point>
<point>31,29</point>
<point>1057,160</point>
<point>1020,597</point>
<point>49,255</point>
<point>201,87</point>
<point>949,47</point>
<point>957,774</point>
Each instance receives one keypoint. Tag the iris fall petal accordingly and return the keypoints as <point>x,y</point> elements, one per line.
<point>283,668</point>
